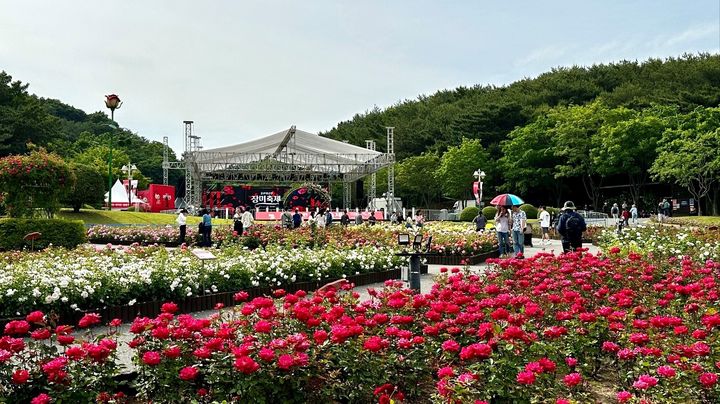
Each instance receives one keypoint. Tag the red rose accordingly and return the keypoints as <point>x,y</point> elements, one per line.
<point>573,379</point>
<point>263,326</point>
<point>40,334</point>
<point>708,380</point>
<point>20,376</point>
<point>169,307</point>
<point>188,373</point>
<point>285,361</point>
<point>526,377</point>
<point>42,398</point>
<point>172,352</point>
<point>89,320</point>
<point>246,365</point>
<point>35,317</point>
<point>666,371</point>
<point>17,327</point>
<point>375,344</point>
<point>151,358</point>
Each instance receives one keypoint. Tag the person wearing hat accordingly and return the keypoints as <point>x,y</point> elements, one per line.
<point>571,227</point>
<point>181,220</point>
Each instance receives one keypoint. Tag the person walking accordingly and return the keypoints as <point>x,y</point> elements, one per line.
<point>626,217</point>
<point>544,217</point>
<point>666,208</point>
<point>328,218</point>
<point>286,219</point>
<point>518,221</point>
<point>247,219</point>
<point>372,219</point>
<point>181,220</point>
<point>237,222</point>
<point>615,212</point>
<point>571,227</point>
<point>634,213</point>
<point>480,222</point>
<point>320,218</point>
<point>345,219</point>
<point>502,226</point>
<point>207,228</point>
<point>297,219</point>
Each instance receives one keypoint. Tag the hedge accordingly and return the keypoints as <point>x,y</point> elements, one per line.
<point>489,212</point>
<point>469,213</point>
<point>530,210</point>
<point>58,232</point>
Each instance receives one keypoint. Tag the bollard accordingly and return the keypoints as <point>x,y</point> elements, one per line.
<point>415,272</point>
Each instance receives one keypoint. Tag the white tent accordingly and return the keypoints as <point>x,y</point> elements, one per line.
<point>292,146</point>
<point>120,196</point>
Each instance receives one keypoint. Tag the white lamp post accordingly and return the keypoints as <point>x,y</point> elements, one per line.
<point>480,175</point>
<point>129,170</point>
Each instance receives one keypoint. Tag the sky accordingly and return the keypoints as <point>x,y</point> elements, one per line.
<point>245,69</point>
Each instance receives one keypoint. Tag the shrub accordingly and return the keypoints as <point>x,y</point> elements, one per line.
<point>554,212</point>
<point>38,180</point>
<point>58,232</point>
<point>88,188</point>
<point>469,213</point>
<point>489,212</point>
<point>530,210</point>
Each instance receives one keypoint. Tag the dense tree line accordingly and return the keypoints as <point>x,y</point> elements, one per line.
<point>77,137</point>
<point>567,133</point>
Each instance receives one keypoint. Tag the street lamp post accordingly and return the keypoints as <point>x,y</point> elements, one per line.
<point>480,174</point>
<point>113,102</point>
<point>129,169</point>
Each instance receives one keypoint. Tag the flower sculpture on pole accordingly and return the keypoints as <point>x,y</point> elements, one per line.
<point>113,102</point>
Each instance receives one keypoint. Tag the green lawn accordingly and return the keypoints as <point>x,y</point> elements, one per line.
<point>122,217</point>
<point>696,220</point>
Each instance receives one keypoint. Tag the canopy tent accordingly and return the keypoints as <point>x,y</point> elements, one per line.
<point>289,151</point>
<point>120,196</point>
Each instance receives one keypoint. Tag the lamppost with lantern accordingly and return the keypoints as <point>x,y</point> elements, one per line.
<point>480,175</point>
<point>129,168</point>
<point>113,102</point>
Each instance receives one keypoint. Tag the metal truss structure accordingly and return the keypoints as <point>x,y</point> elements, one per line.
<point>283,158</point>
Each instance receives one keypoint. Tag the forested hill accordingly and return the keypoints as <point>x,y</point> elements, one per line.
<point>73,134</point>
<point>489,113</point>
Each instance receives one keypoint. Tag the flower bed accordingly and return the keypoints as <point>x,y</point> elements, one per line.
<point>543,329</point>
<point>87,279</point>
<point>447,239</point>
<point>665,242</point>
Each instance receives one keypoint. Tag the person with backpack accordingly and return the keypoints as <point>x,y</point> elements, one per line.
<point>345,219</point>
<point>571,227</point>
<point>480,222</point>
<point>297,219</point>
<point>207,228</point>
<point>615,212</point>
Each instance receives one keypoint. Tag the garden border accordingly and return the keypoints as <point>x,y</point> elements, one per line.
<point>461,259</point>
<point>127,313</point>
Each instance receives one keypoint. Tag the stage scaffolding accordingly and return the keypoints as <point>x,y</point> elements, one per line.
<point>282,158</point>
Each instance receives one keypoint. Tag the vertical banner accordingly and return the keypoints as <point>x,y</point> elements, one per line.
<point>476,192</point>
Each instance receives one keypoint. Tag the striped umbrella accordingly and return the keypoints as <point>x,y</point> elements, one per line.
<point>506,200</point>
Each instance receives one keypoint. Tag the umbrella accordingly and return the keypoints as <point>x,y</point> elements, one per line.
<point>506,200</point>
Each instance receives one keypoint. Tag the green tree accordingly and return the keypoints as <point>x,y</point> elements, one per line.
<point>688,155</point>
<point>628,147</point>
<point>97,157</point>
<point>88,189</point>
<point>529,159</point>
<point>457,165</point>
<point>414,183</point>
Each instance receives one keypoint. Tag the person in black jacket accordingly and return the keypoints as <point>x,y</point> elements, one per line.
<point>571,227</point>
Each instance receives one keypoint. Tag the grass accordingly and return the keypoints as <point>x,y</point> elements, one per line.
<point>696,220</point>
<point>123,217</point>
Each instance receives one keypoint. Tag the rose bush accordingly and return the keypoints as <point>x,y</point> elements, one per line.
<point>89,278</point>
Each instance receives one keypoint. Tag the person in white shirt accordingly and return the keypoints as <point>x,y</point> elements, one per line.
<point>182,223</point>
<point>320,218</point>
<point>544,225</point>
<point>634,213</point>
<point>247,219</point>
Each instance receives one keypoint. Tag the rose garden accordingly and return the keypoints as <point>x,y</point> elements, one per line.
<point>256,286</point>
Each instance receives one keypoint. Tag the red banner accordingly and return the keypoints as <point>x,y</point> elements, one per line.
<point>476,191</point>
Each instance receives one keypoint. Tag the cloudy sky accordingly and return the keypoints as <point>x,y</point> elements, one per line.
<point>244,69</point>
